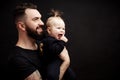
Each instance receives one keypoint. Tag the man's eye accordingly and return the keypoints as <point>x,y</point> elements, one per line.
<point>36,18</point>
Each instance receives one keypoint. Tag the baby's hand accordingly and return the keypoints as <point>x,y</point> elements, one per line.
<point>64,38</point>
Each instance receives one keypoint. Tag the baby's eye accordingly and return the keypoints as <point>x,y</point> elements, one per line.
<point>58,27</point>
<point>63,28</point>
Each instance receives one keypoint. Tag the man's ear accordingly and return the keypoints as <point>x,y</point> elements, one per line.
<point>21,26</point>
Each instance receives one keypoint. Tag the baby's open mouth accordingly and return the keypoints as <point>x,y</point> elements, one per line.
<point>60,35</point>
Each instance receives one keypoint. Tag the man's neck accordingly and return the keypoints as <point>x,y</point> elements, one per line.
<point>27,44</point>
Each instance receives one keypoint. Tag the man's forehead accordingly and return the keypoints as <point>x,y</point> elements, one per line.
<point>33,12</point>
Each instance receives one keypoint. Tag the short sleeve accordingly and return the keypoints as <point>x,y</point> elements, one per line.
<point>53,46</point>
<point>22,66</point>
<point>57,47</point>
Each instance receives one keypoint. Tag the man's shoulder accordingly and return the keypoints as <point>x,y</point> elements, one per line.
<point>14,53</point>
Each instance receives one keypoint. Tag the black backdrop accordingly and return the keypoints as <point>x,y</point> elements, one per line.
<point>93,30</point>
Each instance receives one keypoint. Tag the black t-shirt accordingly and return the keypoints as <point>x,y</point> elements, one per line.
<point>23,62</point>
<point>51,49</point>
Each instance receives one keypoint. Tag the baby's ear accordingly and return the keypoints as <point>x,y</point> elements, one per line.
<point>48,29</point>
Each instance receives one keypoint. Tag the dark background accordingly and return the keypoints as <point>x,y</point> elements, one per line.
<point>93,30</point>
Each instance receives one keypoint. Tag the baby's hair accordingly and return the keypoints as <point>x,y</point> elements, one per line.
<point>55,13</point>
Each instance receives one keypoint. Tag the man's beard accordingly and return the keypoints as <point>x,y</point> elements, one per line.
<point>34,34</point>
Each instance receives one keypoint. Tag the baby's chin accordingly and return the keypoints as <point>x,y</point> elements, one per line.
<point>58,38</point>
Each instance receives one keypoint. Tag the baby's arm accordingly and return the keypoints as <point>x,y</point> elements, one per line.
<point>65,64</point>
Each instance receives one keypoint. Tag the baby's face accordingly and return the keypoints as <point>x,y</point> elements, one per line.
<point>57,28</point>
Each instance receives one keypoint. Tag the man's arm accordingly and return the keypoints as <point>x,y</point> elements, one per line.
<point>65,64</point>
<point>34,76</point>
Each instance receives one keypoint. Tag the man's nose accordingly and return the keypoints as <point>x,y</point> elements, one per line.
<point>41,22</point>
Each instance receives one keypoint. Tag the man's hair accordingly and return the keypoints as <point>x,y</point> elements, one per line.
<point>20,8</point>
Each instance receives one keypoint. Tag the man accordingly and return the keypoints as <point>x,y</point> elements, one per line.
<point>24,60</point>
